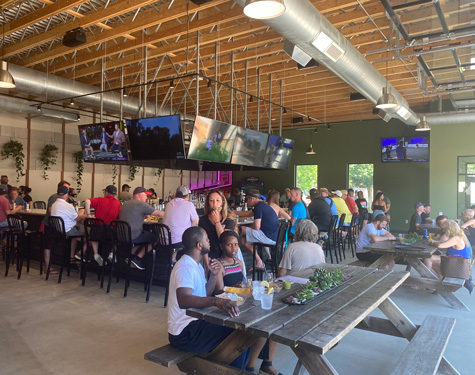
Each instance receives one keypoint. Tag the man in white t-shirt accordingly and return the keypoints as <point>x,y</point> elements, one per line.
<point>188,288</point>
<point>70,217</point>
<point>371,233</point>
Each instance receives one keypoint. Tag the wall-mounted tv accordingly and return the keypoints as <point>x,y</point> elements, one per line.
<point>249,147</point>
<point>211,140</point>
<point>105,142</point>
<point>156,138</point>
<point>279,152</point>
<point>404,149</point>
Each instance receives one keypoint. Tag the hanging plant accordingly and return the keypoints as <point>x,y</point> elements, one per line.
<point>14,149</point>
<point>79,170</point>
<point>158,174</point>
<point>132,172</point>
<point>48,157</point>
<point>115,172</point>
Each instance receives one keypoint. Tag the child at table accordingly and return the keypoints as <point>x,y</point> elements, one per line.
<point>232,268</point>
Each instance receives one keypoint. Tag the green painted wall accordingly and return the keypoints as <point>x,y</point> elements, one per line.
<point>358,142</point>
<point>447,143</point>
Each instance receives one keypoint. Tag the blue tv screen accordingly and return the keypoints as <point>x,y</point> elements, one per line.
<point>404,149</point>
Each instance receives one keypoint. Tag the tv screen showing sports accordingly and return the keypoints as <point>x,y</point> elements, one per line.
<point>156,138</point>
<point>404,149</point>
<point>104,142</point>
<point>249,147</point>
<point>211,140</point>
<point>279,152</point>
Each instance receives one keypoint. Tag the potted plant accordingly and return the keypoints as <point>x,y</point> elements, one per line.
<point>79,170</point>
<point>48,157</point>
<point>14,149</point>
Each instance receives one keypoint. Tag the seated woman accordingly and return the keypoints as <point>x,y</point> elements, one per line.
<point>273,201</point>
<point>304,252</point>
<point>457,244</point>
<point>379,205</point>
<point>469,225</point>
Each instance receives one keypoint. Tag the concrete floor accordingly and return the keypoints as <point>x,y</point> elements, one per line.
<point>48,328</point>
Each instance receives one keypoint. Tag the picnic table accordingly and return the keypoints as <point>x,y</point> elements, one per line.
<point>313,329</point>
<point>430,228</point>
<point>412,255</point>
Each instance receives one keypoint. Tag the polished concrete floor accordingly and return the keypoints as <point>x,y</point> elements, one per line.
<point>51,329</point>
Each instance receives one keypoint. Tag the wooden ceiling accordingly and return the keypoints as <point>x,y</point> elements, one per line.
<point>122,32</point>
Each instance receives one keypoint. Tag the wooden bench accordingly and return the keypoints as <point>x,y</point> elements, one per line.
<point>168,356</point>
<point>450,281</point>
<point>424,352</point>
<point>359,263</point>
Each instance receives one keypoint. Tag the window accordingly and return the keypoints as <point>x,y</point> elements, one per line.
<point>466,183</point>
<point>306,179</point>
<point>360,177</point>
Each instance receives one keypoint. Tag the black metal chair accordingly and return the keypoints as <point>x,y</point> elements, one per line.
<point>330,241</point>
<point>95,230</point>
<point>58,239</point>
<point>339,238</point>
<point>123,242</point>
<point>276,252</point>
<point>164,255</point>
<point>363,214</point>
<point>39,205</point>
<point>351,235</point>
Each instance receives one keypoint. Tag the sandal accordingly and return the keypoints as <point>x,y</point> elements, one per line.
<point>268,364</point>
<point>53,272</point>
<point>251,370</point>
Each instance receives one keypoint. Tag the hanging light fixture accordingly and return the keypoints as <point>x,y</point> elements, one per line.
<point>310,150</point>
<point>71,103</point>
<point>172,84</point>
<point>6,79</point>
<point>264,9</point>
<point>124,93</point>
<point>386,100</point>
<point>423,125</point>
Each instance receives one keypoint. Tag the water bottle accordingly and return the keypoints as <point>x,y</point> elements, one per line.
<point>424,233</point>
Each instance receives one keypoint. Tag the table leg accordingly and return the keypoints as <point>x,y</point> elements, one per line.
<point>409,329</point>
<point>420,267</point>
<point>314,363</point>
<point>300,369</point>
<point>202,366</point>
<point>232,347</point>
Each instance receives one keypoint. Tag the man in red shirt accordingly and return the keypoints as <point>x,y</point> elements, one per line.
<point>107,209</point>
<point>5,207</point>
<point>350,202</point>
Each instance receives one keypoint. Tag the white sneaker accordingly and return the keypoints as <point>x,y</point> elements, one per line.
<point>109,258</point>
<point>98,259</point>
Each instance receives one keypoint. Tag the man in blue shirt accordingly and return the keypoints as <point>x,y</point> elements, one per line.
<point>299,211</point>
<point>265,227</point>
<point>371,233</point>
<point>104,140</point>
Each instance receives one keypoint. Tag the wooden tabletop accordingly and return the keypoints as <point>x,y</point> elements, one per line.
<point>430,228</point>
<point>34,211</point>
<point>320,324</point>
<point>420,249</point>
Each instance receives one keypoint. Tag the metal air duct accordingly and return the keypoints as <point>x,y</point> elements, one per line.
<point>302,24</point>
<point>451,118</point>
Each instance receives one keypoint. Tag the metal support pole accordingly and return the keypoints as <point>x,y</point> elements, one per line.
<point>121,109</point>
<point>102,89</point>
<point>145,70</point>
<point>197,109</point>
<point>245,90</point>
<point>231,90</point>
<point>258,89</point>
<point>270,103</point>
<point>156,99</point>
<point>281,109</point>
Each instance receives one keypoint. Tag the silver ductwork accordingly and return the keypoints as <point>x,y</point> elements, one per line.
<point>301,23</point>
<point>39,84</point>
<point>451,118</point>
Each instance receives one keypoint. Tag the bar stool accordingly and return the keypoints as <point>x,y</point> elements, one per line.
<point>39,205</point>
<point>4,234</point>
<point>330,241</point>
<point>58,238</point>
<point>164,255</point>
<point>95,230</point>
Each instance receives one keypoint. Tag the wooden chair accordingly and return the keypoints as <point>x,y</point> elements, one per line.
<point>39,204</point>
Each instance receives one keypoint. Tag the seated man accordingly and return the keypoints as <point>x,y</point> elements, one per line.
<point>371,233</point>
<point>425,215</point>
<point>341,207</point>
<point>5,207</point>
<point>189,288</point>
<point>304,252</point>
<point>134,212</point>
<point>299,210</point>
<point>70,217</point>
<point>416,218</point>
<point>320,213</point>
<point>15,198</point>
<point>265,227</point>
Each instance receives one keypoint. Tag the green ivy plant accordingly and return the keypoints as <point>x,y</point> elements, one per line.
<point>132,172</point>
<point>115,172</point>
<point>158,173</point>
<point>78,159</point>
<point>48,158</point>
<point>14,149</point>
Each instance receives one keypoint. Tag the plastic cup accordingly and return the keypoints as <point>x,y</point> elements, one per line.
<point>401,237</point>
<point>257,290</point>
<point>287,284</point>
<point>266,301</point>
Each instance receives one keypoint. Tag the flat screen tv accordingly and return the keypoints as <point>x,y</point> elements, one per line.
<point>211,140</point>
<point>279,152</point>
<point>156,138</point>
<point>105,142</point>
<point>249,147</point>
<point>404,149</point>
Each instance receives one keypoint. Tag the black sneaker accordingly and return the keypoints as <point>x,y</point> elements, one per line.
<point>137,263</point>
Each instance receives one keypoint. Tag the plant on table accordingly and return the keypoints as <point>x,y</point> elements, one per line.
<point>14,149</point>
<point>48,158</point>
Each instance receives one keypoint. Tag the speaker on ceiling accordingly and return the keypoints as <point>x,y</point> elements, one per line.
<point>74,38</point>
<point>200,2</point>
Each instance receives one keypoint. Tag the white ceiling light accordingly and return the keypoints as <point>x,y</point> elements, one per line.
<point>387,100</point>
<point>310,150</point>
<point>423,125</point>
<point>403,112</point>
<point>264,9</point>
<point>472,61</point>
<point>326,46</point>
<point>6,79</point>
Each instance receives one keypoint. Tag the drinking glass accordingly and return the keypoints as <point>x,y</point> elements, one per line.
<point>266,300</point>
<point>257,290</point>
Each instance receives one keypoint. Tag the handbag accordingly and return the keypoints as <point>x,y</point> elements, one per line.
<point>459,268</point>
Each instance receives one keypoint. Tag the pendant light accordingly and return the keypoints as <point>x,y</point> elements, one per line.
<point>387,100</point>
<point>6,79</point>
<point>264,9</point>
<point>310,150</point>
<point>423,125</point>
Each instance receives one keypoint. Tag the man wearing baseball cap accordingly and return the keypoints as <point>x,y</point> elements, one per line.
<point>416,218</point>
<point>134,212</point>
<point>125,194</point>
<point>5,208</point>
<point>180,214</point>
<point>107,209</point>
